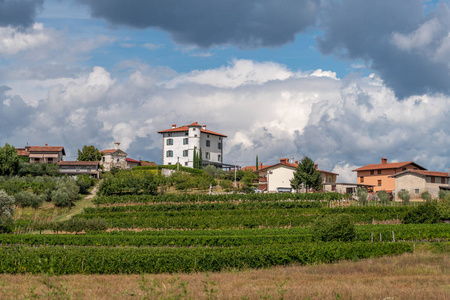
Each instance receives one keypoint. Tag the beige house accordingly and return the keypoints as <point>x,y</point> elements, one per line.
<point>277,178</point>
<point>113,158</point>
<point>79,167</point>
<point>131,163</point>
<point>42,154</point>
<point>418,181</point>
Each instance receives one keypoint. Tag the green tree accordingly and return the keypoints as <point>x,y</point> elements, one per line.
<point>89,153</point>
<point>307,175</point>
<point>6,211</point>
<point>9,160</point>
<point>338,227</point>
<point>426,196</point>
<point>383,196</point>
<point>200,159</point>
<point>427,213</point>
<point>404,195</point>
<point>195,162</point>
<point>247,181</point>
<point>257,162</point>
<point>362,195</point>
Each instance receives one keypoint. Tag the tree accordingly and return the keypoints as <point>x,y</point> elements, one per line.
<point>6,211</point>
<point>383,196</point>
<point>404,195</point>
<point>247,181</point>
<point>426,196</point>
<point>339,227</point>
<point>307,175</point>
<point>200,159</point>
<point>195,162</point>
<point>257,162</point>
<point>89,153</point>
<point>9,160</point>
<point>362,195</point>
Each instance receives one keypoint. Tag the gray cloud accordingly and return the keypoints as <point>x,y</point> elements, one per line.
<point>205,23</point>
<point>396,37</point>
<point>18,13</point>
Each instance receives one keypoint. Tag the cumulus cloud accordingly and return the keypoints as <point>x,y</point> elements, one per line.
<point>18,13</point>
<point>207,23</point>
<point>406,46</point>
<point>341,124</point>
<point>13,41</point>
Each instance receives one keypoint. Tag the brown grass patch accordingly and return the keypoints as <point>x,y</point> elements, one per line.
<point>409,276</point>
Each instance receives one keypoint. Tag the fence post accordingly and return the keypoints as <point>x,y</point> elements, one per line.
<point>393,236</point>
<point>371,237</point>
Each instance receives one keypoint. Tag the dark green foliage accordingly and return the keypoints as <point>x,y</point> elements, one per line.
<point>200,159</point>
<point>6,211</point>
<point>307,175</point>
<point>426,196</point>
<point>247,181</point>
<point>444,195</point>
<point>230,175</point>
<point>38,169</point>
<point>383,196</point>
<point>427,213</point>
<point>362,195</point>
<point>130,182</point>
<point>257,163</point>
<point>334,228</point>
<point>9,160</point>
<point>84,182</point>
<point>26,199</point>
<point>66,192</point>
<point>89,153</point>
<point>225,184</point>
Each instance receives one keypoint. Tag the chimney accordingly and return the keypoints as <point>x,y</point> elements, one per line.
<point>174,125</point>
<point>116,145</point>
<point>315,166</point>
<point>46,145</point>
<point>296,162</point>
<point>284,160</point>
<point>204,127</point>
<point>260,165</point>
<point>384,161</point>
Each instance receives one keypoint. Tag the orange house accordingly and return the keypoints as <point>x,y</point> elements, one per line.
<point>378,175</point>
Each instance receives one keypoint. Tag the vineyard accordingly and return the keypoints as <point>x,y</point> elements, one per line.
<point>131,234</point>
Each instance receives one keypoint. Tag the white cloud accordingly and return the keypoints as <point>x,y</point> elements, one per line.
<point>418,39</point>
<point>13,41</point>
<point>151,46</point>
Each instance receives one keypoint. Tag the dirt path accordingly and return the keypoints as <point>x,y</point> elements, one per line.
<point>80,205</point>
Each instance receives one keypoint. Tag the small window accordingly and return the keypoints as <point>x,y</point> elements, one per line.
<point>169,164</point>
<point>219,158</point>
<point>103,159</point>
<point>379,182</point>
<point>169,153</point>
<point>169,134</point>
<point>185,153</point>
<point>443,180</point>
<point>194,129</point>
<point>186,163</point>
<point>379,172</point>
<point>372,172</point>
<point>195,135</point>
<point>117,160</point>
<point>361,179</point>
<point>208,143</point>
<point>432,179</point>
<point>403,169</point>
<point>50,159</point>
<point>329,179</point>
<point>208,155</point>
<point>186,133</point>
<point>416,191</point>
<point>169,142</point>
<point>185,141</point>
<point>219,145</point>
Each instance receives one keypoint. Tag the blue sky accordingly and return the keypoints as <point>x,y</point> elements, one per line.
<point>345,82</point>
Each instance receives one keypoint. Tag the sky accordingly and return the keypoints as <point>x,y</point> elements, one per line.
<point>344,82</point>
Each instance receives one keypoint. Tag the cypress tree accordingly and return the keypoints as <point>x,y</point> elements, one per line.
<point>257,162</point>
<point>195,163</point>
<point>200,159</point>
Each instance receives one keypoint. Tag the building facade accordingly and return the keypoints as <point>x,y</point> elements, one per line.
<point>113,158</point>
<point>418,181</point>
<point>42,154</point>
<point>180,144</point>
<point>74,168</point>
<point>380,175</point>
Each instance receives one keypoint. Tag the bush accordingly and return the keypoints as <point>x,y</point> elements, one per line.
<point>6,212</point>
<point>443,194</point>
<point>61,198</point>
<point>427,213</point>
<point>404,195</point>
<point>84,182</point>
<point>362,195</point>
<point>225,184</point>
<point>383,196</point>
<point>26,199</point>
<point>426,196</point>
<point>334,228</point>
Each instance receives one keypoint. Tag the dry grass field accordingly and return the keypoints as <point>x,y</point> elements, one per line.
<point>423,275</point>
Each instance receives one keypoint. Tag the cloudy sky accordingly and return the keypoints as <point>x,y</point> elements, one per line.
<point>345,82</point>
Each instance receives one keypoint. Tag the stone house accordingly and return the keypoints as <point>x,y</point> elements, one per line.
<point>418,181</point>
<point>113,158</point>
<point>74,168</point>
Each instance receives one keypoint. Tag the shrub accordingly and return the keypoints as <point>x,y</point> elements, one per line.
<point>26,199</point>
<point>84,182</point>
<point>404,195</point>
<point>362,195</point>
<point>6,212</point>
<point>383,196</point>
<point>61,198</point>
<point>426,196</point>
<point>225,184</point>
<point>334,228</point>
<point>427,213</point>
<point>443,194</point>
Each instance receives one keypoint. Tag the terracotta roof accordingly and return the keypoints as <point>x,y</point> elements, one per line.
<point>327,172</point>
<point>47,149</point>
<point>132,160</point>
<point>145,163</point>
<point>423,172</point>
<point>108,151</point>
<point>387,166</point>
<point>250,168</point>
<point>283,163</point>
<point>186,128</point>
<point>22,152</point>
<point>78,163</point>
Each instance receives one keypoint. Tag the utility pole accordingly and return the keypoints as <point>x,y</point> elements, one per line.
<point>235,174</point>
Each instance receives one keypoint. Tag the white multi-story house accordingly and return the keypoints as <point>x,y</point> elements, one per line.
<point>180,143</point>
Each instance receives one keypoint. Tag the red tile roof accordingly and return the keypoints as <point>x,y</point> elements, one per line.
<point>132,160</point>
<point>47,149</point>
<point>107,151</point>
<point>186,128</point>
<point>387,166</point>
<point>249,168</point>
<point>78,163</point>
<point>145,163</point>
<point>283,162</point>
<point>423,172</point>
<point>22,152</point>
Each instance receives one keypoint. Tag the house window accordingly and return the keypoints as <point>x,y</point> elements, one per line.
<point>219,145</point>
<point>194,129</point>
<point>169,153</point>
<point>169,134</point>
<point>50,159</point>
<point>361,179</point>
<point>169,142</point>
<point>219,158</point>
<point>372,172</point>
<point>186,133</point>
<point>117,160</point>
<point>403,169</point>
<point>208,143</point>
<point>379,182</point>
<point>443,180</point>
<point>207,155</point>
<point>186,163</point>
<point>379,172</point>
<point>207,135</point>
<point>185,141</point>
<point>195,135</point>
<point>432,179</point>
<point>416,191</point>
<point>103,159</point>
<point>185,153</point>
<point>329,179</point>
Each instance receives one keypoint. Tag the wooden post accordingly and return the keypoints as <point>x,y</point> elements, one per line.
<point>371,237</point>
<point>393,236</point>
